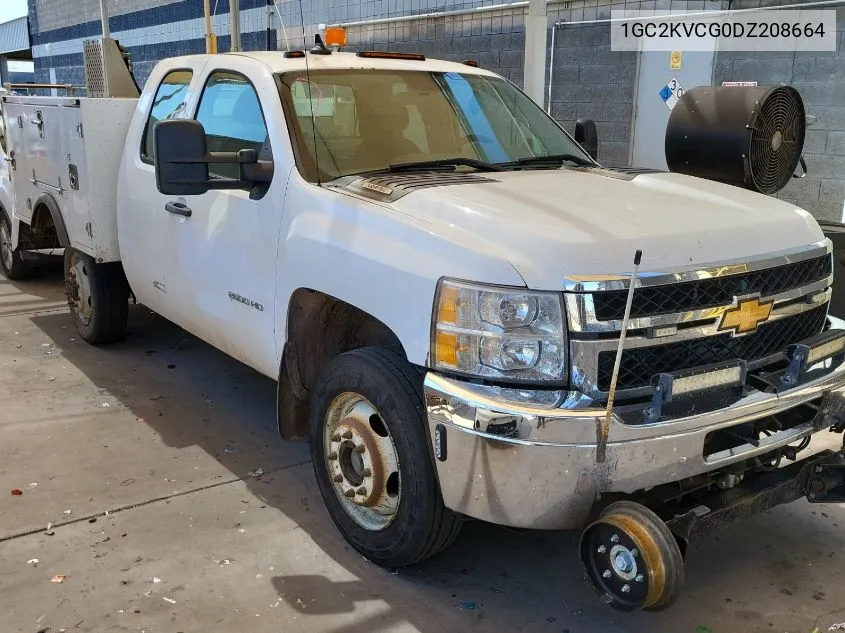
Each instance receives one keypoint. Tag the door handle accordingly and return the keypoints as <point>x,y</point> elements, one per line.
<point>179,208</point>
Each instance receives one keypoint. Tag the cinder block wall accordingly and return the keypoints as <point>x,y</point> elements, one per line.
<point>588,80</point>
<point>820,79</point>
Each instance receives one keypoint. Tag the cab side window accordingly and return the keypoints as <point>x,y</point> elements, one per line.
<point>168,100</point>
<point>230,112</point>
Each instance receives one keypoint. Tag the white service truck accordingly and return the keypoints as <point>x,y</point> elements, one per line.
<point>437,276</point>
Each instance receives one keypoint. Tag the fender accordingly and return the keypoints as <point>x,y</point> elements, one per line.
<point>46,200</point>
<point>376,259</point>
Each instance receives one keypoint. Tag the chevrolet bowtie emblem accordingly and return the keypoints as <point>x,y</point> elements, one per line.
<point>745,316</point>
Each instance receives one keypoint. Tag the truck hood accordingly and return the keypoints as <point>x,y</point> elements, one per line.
<point>550,224</point>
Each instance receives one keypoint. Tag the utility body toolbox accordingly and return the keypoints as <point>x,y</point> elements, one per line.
<point>66,154</point>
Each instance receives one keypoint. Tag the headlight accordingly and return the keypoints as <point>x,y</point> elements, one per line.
<point>499,332</point>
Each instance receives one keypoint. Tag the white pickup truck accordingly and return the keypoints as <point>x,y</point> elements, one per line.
<point>436,274</point>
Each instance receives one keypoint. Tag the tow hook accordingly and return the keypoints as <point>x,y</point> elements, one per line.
<point>71,289</point>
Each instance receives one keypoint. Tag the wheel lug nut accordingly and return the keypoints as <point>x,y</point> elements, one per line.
<point>634,553</point>
<point>614,538</point>
<point>368,472</point>
<point>336,437</point>
<point>332,455</point>
<point>639,578</point>
<point>361,491</point>
<point>606,574</point>
<point>347,435</point>
<point>602,549</point>
<point>349,493</point>
<point>361,449</point>
<point>338,479</point>
<point>626,588</point>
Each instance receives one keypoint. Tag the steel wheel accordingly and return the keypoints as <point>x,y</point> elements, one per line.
<point>79,289</point>
<point>632,559</point>
<point>362,461</point>
<point>6,252</point>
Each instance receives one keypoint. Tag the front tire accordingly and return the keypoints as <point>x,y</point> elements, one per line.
<point>98,296</point>
<point>371,457</point>
<point>14,268</point>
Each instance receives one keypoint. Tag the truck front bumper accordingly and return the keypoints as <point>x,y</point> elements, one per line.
<point>529,465</point>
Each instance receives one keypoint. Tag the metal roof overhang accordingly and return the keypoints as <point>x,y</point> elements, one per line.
<point>14,39</point>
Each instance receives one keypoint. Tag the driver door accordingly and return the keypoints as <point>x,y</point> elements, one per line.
<point>224,244</point>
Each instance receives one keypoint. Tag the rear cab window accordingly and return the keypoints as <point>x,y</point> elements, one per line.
<point>168,101</point>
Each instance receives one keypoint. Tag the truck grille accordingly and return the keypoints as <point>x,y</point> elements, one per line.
<point>640,364</point>
<point>710,293</point>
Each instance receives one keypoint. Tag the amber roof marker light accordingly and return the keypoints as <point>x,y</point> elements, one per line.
<point>380,55</point>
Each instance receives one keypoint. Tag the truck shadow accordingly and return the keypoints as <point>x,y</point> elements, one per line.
<point>39,292</point>
<point>493,579</point>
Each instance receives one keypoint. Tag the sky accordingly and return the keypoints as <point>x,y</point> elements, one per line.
<point>9,10</point>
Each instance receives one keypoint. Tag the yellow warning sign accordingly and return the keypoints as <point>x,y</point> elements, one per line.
<point>675,60</point>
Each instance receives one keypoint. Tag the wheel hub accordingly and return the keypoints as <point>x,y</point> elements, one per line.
<point>78,289</point>
<point>614,565</point>
<point>6,251</point>
<point>361,461</point>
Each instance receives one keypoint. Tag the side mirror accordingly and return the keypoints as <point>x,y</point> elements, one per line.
<point>182,159</point>
<point>587,137</point>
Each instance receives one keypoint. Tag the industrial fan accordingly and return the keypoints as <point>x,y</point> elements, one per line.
<point>750,137</point>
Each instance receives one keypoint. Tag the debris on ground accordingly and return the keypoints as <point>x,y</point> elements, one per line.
<point>33,561</point>
<point>58,578</point>
<point>92,520</point>
<point>17,492</point>
<point>256,474</point>
<point>33,485</point>
<point>49,531</point>
<point>466,606</point>
<point>67,512</point>
<point>838,627</point>
<point>170,600</point>
<point>230,450</point>
<point>106,405</point>
<point>154,580</point>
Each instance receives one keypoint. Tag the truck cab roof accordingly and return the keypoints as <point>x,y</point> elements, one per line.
<point>276,62</point>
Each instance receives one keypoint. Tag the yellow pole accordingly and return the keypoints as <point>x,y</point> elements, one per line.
<point>210,38</point>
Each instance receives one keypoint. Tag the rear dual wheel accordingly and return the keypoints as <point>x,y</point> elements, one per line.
<point>98,297</point>
<point>11,260</point>
<point>632,559</point>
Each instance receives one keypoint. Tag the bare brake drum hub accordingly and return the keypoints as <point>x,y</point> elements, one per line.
<point>362,461</point>
<point>632,559</point>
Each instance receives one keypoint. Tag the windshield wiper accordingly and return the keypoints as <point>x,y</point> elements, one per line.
<point>554,159</point>
<point>445,163</point>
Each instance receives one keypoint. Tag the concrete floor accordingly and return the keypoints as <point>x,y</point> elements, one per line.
<point>141,453</point>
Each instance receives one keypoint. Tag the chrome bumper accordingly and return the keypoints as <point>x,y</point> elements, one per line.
<point>543,474</point>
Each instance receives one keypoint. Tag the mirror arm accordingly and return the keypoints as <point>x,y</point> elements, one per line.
<point>259,172</point>
<point>244,157</point>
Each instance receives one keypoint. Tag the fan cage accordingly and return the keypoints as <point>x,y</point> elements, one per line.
<point>777,138</point>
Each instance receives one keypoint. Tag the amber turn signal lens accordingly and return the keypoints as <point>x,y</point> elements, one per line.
<point>447,310</point>
<point>446,348</point>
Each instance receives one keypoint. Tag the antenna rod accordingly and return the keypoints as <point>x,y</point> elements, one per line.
<point>605,431</point>
<point>104,17</point>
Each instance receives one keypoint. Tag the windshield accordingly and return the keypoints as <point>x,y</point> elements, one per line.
<point>368,120</point>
